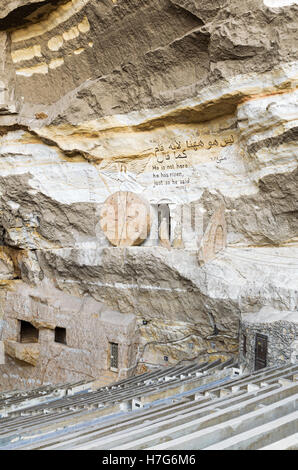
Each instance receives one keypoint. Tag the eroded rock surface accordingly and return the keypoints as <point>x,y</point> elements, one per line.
<point>189,105</point>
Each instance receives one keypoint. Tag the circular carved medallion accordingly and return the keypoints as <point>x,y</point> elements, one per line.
<point>125,219</point>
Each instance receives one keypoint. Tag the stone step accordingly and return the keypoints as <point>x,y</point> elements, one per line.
<point>261,435</point>
<point>189,422</point>
<point>168,411</point>
<point>268,375</point>
<point>288,443</point>
<point>198,404</point>
<point>236,396</point>
<point>214,435</point>
<point>105,397</point>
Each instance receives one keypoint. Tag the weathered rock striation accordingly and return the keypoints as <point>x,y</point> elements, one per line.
<point>191,106</point>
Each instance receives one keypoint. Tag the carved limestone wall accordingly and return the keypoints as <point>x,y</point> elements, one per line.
<point>71,341</point>
<point>125,219</point>
<point>186,105</point>
<point>214,239</point>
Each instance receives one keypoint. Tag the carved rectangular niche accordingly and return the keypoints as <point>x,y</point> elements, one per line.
<point>60,335</point>
<point>28,332</point>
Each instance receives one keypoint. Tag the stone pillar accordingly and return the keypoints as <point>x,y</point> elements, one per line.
<point>152,239</point>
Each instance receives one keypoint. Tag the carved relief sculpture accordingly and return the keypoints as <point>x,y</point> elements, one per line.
<point>178,240</point>
<point>164,234</point>
<point>215,237</point>
<point>125,219</point>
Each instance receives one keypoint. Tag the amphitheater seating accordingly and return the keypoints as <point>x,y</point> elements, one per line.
<point>191,406</point>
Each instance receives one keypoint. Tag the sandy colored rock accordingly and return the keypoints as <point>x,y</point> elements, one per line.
<point>8,6</point>
<point>182,105</point>
<point>83,352</point>
<point>27,352</point>
<point>7,270</point>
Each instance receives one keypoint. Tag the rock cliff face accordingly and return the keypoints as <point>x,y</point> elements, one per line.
<point>189,105</point>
